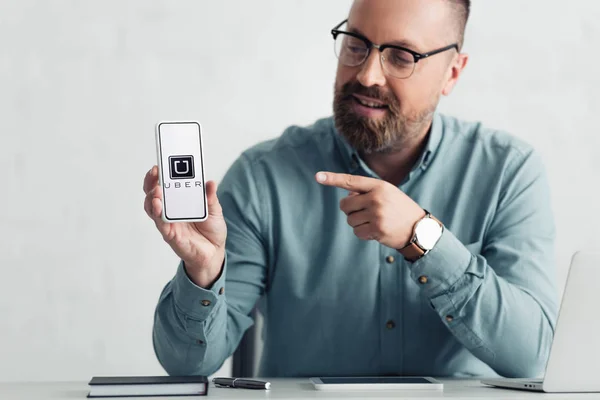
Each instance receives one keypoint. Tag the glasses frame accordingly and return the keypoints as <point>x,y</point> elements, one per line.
<point>381,47</point>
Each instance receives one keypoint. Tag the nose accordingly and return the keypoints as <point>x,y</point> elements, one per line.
<point>371,73</point>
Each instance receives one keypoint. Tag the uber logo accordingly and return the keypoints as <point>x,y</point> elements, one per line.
<point>181,167</point>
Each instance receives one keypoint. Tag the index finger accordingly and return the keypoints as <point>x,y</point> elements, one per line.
<point>353,183</point>
<point>151,179</point>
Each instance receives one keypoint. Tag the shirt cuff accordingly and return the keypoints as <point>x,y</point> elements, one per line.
<point>194,301</point>
<point>442,266</point>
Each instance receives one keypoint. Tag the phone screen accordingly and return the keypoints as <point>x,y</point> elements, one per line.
<point>182,170</point>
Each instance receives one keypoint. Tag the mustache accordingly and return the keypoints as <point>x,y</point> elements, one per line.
<point>354,87</point>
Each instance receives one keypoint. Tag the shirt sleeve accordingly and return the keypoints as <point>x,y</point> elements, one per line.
<point>499,297</point>
<point>196,329</point>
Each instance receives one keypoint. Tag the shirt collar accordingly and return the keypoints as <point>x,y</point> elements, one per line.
<point>433,142</point>
<point>350,156</point>
<point>353,162</point>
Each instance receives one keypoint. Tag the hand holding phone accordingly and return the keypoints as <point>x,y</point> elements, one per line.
<point>186,212</point>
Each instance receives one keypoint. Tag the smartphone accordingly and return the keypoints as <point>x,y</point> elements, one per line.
<point>376,383</point>
<point>181,171</point>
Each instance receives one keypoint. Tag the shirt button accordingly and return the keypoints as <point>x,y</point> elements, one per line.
<point>222,290</point>
<point>390,324</point>
<point>200,342</point>
<point>449,318</point>
<point>205,303</point>
<point>390,259</point>
<point>423,279</point>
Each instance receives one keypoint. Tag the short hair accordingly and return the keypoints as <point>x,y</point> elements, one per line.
<point>462,9</point>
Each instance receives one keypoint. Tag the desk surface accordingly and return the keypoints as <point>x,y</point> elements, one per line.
<point>289,389</point>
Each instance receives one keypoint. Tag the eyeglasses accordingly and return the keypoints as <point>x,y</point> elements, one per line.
<point>352,49</point>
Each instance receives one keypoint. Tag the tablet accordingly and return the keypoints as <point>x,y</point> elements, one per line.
<point>377,383</point>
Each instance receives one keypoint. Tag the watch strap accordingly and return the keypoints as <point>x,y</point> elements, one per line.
<point>412,252</point>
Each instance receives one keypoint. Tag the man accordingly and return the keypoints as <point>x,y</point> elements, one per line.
<point>328,223</point>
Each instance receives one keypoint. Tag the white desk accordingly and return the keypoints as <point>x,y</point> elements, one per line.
<point>290,389</point>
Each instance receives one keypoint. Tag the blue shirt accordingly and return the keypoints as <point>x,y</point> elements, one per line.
<point>336,305</point>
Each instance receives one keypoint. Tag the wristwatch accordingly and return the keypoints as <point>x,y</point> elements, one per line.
<point>426,234</point>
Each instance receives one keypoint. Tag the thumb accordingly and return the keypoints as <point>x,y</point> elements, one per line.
<point>214,207</point>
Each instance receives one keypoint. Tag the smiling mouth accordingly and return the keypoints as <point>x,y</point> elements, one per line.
<point>371,103</point>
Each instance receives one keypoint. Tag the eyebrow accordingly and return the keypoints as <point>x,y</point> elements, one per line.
<point>401,43</point>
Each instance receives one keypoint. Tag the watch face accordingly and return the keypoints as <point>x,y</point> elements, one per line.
<point>428,232</point>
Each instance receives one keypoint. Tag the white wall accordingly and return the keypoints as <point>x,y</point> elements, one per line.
<point>83,82</point>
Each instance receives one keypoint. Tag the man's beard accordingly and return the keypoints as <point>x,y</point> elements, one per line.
<point>375,135</point>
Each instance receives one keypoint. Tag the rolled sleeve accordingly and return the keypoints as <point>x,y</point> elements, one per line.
<point>194,301</point>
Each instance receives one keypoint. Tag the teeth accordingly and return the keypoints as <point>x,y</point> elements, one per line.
<point>370,104</point>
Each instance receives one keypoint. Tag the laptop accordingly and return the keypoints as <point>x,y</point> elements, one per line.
<point>575,353</point>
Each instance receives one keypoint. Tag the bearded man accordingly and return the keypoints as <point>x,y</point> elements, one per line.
<point>388,239</point>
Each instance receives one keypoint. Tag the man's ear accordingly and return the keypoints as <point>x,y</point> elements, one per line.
<point>459,63</point>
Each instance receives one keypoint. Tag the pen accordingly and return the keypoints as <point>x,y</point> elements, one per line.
<point>241,383</point>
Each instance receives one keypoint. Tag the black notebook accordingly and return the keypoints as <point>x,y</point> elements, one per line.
<point>135,386</point>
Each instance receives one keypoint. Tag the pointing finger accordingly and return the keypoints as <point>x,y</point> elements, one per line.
<point>353,183</point>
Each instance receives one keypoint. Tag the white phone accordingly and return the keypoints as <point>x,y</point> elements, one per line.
<point>181,171</point>
<point>377,383</point>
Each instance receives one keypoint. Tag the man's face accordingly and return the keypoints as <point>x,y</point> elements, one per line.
<point>380,113</point>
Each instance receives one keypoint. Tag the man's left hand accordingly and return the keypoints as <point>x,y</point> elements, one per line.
<point>376,209</point>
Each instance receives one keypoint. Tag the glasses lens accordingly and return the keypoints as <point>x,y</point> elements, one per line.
<point>351,51</point>
<point>398,63</point>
